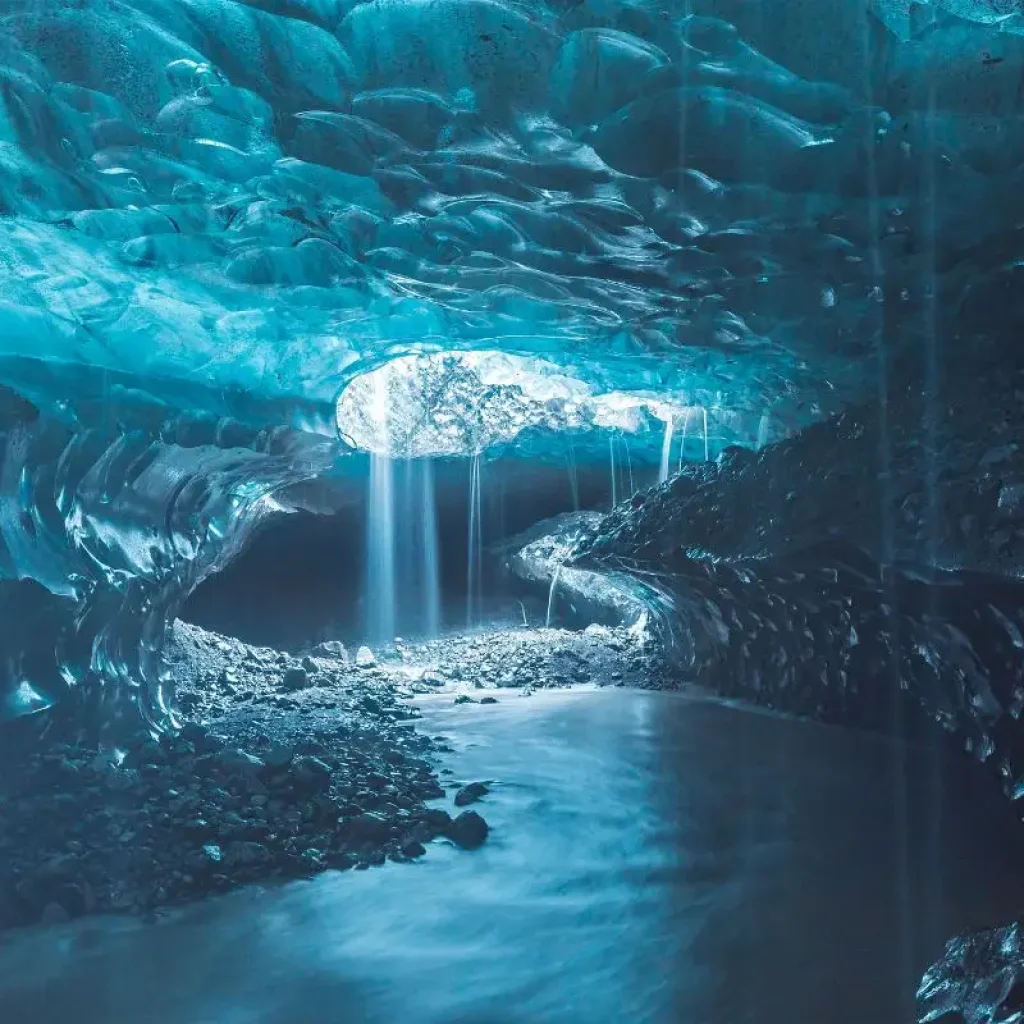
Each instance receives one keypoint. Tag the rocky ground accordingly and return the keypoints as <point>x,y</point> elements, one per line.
<point>285,767</point>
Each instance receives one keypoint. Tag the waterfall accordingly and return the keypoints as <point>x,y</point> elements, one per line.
<point>380,541</point>
<point>551,596</point>
<point>704,411</point>
<point>666,450</point>
<point>474,544</point>
<point>380,530</point>
<point>762,431</point>
<point>428,537</point>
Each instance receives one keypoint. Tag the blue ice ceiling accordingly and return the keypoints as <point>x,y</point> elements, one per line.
<point>236,208</point>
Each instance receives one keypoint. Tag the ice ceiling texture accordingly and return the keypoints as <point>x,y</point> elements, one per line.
<point>801,217</point>
<point>216,215</point>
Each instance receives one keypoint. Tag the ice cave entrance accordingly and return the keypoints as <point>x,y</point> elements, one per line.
<point>417,415</point>
<point>463,403</point>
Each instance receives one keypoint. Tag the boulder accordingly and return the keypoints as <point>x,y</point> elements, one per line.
<point>468,830</point>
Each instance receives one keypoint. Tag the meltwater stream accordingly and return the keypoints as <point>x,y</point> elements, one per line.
<point>653,858</point>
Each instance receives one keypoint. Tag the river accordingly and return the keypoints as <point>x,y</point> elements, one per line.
<point>653,858</point>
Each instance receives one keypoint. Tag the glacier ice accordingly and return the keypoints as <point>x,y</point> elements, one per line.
<point>218,216</point>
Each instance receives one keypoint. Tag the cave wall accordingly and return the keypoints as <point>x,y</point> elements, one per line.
<point>303,576</point>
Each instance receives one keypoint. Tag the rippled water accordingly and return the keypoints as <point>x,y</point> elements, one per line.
<point>654,858</point>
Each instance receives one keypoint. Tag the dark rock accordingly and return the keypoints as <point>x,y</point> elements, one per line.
<point>468,830</point>
<point>488,700</point>
<point>464,698</point>
<point>245,854</point>
<point>414,849</point>
<point>151,754</point>
<point>77,898</point>
<point>237,762</point>
<point>279,756</point>
<point>368,827</point>
<point>311,773</point>
<point>295,679</point>
<point>54,913</point>
<point>471,793</point>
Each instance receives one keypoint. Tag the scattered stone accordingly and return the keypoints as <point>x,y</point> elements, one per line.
<point>312,774</point>
<point>295,678</point>
<point>471,793</point>
<point>279,756</point>
<point>239,762</point>
<point>365,658</point>
<point>468,830</point>
<point>331,649</point>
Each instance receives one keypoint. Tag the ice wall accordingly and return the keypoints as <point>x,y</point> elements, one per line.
<point>219,213</point>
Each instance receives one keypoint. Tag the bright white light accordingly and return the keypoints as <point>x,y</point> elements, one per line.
<point>426,406</point>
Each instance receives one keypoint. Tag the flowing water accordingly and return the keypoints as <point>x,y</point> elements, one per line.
<point>653,858</point>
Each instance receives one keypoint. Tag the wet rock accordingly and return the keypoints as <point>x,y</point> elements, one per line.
<point>468,830</point>
<point>471,793</point>
<point>414,849</point>
<point>295,678</point>
<point>331,649</point>
<point>237,762</point>
<point>464,698</point>
<point>245,854</point>
<point>279,756</point>
<point>368,827</point>
<point>312,774</point>
<point>365,658</point>
<point>488,700</point>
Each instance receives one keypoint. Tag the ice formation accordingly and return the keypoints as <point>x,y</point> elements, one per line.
<point>216,215</point>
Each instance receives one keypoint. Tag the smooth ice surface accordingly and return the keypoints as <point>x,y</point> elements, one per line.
<point>237,207</point>
<point>652,859</point>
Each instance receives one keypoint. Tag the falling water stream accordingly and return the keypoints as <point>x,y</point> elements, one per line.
<point>551,595</point>
<point>474,550</point>
<point>380,588</point>
<point>666,450</point>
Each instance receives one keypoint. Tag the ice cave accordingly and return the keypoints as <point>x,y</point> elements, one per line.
<point>512,511</point>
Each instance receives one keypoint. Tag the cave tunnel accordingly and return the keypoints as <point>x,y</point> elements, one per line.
<point>512,508</point>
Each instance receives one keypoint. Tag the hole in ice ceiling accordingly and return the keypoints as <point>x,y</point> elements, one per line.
<point>458,404</point>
